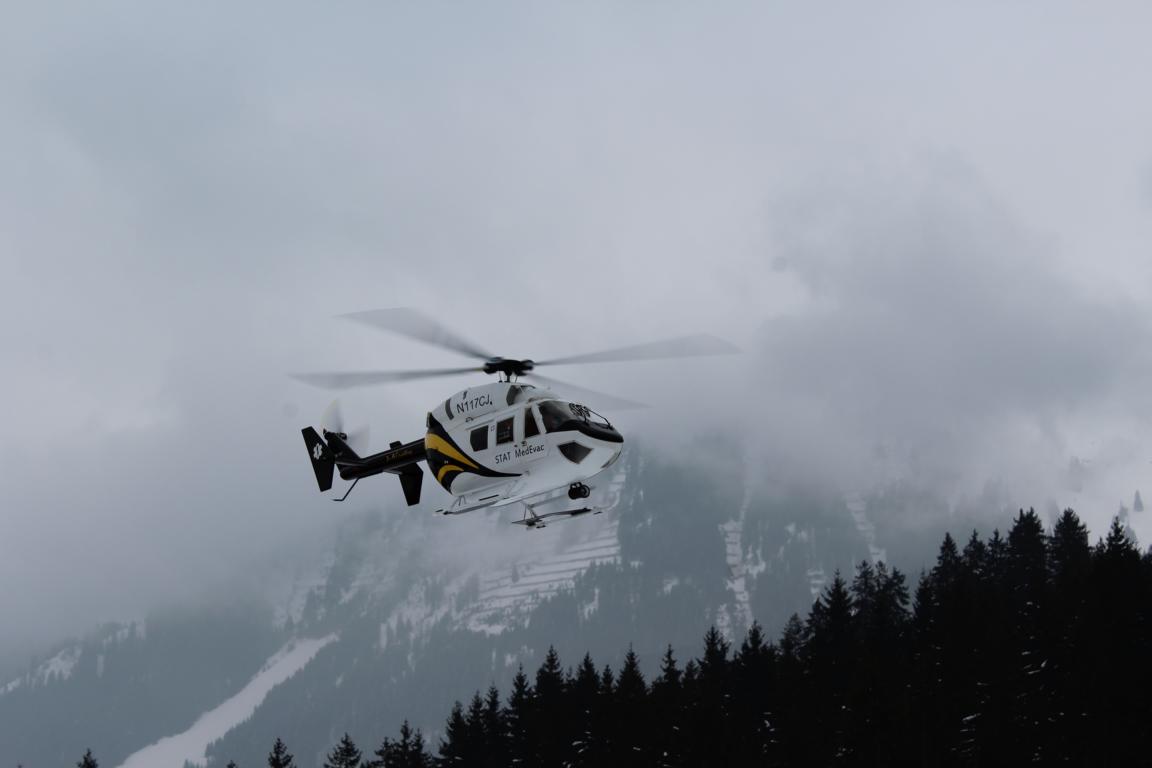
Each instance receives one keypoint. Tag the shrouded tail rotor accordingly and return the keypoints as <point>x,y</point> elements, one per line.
<point>356,438</point>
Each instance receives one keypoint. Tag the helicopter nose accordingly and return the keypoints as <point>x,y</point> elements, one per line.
<point>612,458</point>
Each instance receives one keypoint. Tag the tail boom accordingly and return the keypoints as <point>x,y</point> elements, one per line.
<point>331,451</point>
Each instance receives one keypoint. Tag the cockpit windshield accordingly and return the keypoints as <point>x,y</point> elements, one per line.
<point>520,392</point>
<point>559,416</point>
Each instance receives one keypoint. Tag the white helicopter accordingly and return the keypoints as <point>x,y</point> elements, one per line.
<point>496,444</point>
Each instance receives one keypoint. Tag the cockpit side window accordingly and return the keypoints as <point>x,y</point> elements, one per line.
<point>554,415</point>
<point>530,427</point>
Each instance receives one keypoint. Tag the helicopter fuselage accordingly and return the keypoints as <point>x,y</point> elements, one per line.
<point>505,438</point>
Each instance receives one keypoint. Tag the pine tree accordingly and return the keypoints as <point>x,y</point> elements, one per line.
<point>407,752</point>
<point>88,761</point>
<point>630,733</point>
<point>549,680</point>
<point>607,680</point>
<point>495,730</point>
<point>630,686</point>
<point>279,757</point>
<point>1068,552</point>
<point>456,746</point>
<point>670,674</point>
<point>475,720</point>
<point>831,653</point>
<point>518,717</point>
<point>590,718</point>
<point>584,690</point>
<point>751,690</point>
<point>344,754</point>
<point>550,721</point>
<point>417,755</point>
<point>231,764</point>
<point>975,555</point>
<point>666,702</point>
<point>715,659</point>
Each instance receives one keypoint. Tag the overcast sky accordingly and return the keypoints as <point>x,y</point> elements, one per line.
<point>929,226</point>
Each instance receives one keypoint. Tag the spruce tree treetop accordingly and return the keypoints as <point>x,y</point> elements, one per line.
<point>947,563</point>
<point>715,657</point>
<point>630,686</point>
<point>792,639</point>
<point>344,755</point>
<point>407,752</point>
<point>975,554</point>
<point>279,757</point>
<point>455,744</point>
<point>586,683</point>
<point>753,644</point>
<point>669,672</point>
<point>88,761</point>
<point>550,676</point>
<point>1120,546</point>
<point>1068,550</point>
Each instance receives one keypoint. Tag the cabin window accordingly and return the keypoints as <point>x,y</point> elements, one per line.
<point>504,431</point>
<point>479,438</point>
<point>530,427</point>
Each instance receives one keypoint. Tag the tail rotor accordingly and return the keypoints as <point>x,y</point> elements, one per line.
<point>355,437</point>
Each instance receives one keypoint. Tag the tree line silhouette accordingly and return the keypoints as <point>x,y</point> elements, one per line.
<point>1029,649</point>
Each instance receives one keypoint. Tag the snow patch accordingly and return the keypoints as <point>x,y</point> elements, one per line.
<point>190,745</point>
<point>59,667</point>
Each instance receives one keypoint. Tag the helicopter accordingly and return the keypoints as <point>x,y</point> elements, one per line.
<point>511,441</point>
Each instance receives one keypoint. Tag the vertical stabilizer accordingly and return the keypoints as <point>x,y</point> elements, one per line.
<point>323,463</point>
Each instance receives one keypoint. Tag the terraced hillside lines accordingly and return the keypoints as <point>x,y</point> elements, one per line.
<point>858,508</point>
<point>509,594</point>
<point>514,592</point>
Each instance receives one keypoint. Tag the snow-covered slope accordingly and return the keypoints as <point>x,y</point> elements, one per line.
<point>174,751</point>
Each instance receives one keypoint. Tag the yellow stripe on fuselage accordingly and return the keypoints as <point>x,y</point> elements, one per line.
<point>434,442</point>
<point>445,470</point>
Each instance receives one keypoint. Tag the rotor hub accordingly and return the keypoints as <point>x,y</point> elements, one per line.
<point>507,366</point>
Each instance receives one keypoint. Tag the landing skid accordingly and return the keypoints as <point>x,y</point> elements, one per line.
<point>530,519</point>
<point>533,520</point>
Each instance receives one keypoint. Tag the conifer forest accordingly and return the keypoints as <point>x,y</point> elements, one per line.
<point>1025,649</point>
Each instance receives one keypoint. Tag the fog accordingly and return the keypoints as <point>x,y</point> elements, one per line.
<point>928,229</point>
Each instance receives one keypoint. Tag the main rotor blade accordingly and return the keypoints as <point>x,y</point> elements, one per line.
<point>350,379</point>
<point>417,326</point>
<point>590,397</point>
<point>682,346</point>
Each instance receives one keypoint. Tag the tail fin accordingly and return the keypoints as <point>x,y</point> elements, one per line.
<point>323,463</point>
